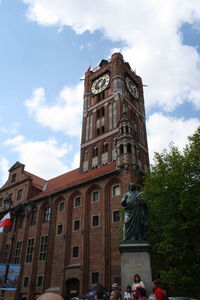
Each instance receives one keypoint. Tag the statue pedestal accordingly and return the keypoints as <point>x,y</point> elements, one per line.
<point>135,259</point>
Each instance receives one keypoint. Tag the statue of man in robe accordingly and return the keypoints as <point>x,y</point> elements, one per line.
<point>136,214</point>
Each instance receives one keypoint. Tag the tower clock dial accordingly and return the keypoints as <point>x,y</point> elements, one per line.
<point>132,88</point>
<point>100,84</point>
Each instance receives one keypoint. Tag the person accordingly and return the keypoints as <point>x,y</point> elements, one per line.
<point>158,292</point>
<point>99,293</point>
<point>135,219</point>
<point>128,295</point>
<point>50,296</point>
<point>140,293</point>
<point>115,294</point>
<point>137,282</point>
<point>152,297</point>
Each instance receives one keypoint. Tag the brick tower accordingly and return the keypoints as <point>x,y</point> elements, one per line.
<point>113,127</point>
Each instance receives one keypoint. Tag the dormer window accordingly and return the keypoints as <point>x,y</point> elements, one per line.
<point>13,179</point>
<point>19,195</point>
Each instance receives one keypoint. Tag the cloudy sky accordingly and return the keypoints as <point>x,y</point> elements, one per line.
<point>47,46</point>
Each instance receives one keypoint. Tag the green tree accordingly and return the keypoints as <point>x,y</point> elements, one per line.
<point>172,191</point>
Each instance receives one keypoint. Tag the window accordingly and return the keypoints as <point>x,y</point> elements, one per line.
<point>17,252</point>
<point>105,148</point>
<point>129,148</point>
<point>19,195</point>
<point>40,281</point>
<point>61,206</point>
<point>95,152</point>
<point>26,279</point>
<point>121,149</point>
<point>47,214</point>
<point>29,250</point>
<point>88,128</point>
<point>75,251</point>
<point>95,277</point>
<point>95,196</point>
<point>6,253</point>
<point>95,221</point>
<point>33,217</point>
<point>43,247</point>
<point>1,202</point>
<point>77,202</point>
<point>116,190</point>
<point>13,179</point>
<point>76,225</point>
<point>116,216</point>
<point>60,229</point>
<point>112,115</point>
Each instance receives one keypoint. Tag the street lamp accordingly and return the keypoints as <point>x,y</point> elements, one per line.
<point>29,208</point>
<point>7,203</point>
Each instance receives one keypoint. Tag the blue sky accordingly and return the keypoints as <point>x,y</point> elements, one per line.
<point>47,46</point>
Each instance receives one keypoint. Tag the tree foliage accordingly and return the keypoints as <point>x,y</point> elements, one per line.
<point>172,191</point>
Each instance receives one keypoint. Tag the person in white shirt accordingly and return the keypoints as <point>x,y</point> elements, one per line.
<point>137,282</point>
<point>128,295</point>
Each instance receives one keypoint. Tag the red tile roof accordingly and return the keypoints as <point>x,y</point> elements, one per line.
<point>69,179</point>
<point>37,181</point>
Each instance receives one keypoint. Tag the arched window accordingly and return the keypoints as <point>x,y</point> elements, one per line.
<point>95,152</point>
<point>129,148</point>
<point>102,111</point>
<point>87,129</point>
<point>111,115</point>
<point>90,126</point>
<point>98,114</point>
<point>121,149</point>
<point>85,156</point>
<point>105,147</point>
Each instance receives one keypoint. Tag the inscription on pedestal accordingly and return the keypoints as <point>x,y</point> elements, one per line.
<point>135,259</point>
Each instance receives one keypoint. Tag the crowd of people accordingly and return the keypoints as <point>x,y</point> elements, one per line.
<point>136,291</point>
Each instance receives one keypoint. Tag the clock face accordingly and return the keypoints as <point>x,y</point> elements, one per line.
<point>100,84</point>
<point>132,87</point>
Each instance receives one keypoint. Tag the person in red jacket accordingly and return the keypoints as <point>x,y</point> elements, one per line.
<point>158,292</point>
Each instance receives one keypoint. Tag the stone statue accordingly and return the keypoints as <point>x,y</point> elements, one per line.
<point>136,213</point>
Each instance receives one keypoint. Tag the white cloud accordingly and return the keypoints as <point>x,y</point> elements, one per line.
<point>76,161</point>
<point>43,158</point>
<point>64,115</point>
<point>4,166</point>
<point>13,129</point>
<point>162,130</point>
<point>151,30</point>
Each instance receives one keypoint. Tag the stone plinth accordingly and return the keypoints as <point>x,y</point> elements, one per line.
<point>135,259</point>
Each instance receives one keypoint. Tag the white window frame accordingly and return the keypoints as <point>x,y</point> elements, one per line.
<point>113,216</point>
<point>95,201</point>
<point>78,251</point>
<point>61,210</point>
<point>75,206</point>
<point>75,230</point>
<point>57,229</point>
<point>113,187</point>
<point>92,221</point>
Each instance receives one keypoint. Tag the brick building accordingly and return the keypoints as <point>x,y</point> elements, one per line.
<point>65,231</point>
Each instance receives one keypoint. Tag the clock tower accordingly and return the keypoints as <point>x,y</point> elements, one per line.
<point>113,127</point>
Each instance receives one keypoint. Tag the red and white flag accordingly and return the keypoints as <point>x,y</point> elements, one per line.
<point>5,221</point>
